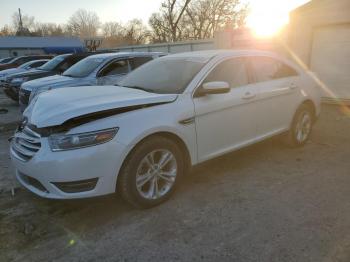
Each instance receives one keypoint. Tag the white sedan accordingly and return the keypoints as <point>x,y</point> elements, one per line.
<point>141,137</point>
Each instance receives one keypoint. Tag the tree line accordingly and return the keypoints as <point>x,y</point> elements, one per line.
<point>176,20</point>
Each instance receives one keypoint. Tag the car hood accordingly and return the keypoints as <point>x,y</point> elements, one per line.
<point>51,81</point>
<point>7,72</point>
<point>57,106</point>
<point>31,73</point>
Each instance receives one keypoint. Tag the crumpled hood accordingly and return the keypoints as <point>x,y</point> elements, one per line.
<point>51,81</point>
<point>57,106</point>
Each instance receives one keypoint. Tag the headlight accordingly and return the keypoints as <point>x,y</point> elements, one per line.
<point>68,142</point>
<point>19,80</point>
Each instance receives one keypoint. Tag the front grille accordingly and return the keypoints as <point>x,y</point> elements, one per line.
<point>25,144</point>
<point>24,96</point>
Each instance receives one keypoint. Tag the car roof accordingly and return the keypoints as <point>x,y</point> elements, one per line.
<point>208,54</point>
<point>126,54</point>
<point>39,55</point>
<point>39,60</point>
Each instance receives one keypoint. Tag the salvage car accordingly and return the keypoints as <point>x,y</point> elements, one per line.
<point>101,69</point>
<point>174,112</point>
<point>55,66</point>
<point>20,60</point>
<point>22,68</point>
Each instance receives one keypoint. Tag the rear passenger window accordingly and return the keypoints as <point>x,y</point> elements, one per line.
<point>267,69</point>
<point>232,71</point>
<point>139,61</point>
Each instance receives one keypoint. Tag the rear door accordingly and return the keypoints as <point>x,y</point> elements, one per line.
<point>277,85</point>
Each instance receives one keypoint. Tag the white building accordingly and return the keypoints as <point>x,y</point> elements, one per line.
<point>319,35</point>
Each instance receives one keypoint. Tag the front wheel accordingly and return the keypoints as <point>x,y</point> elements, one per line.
<point>151,172</point>
<point>301,127</point>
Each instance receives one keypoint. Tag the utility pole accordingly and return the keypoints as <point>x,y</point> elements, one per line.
<point>20,20</point>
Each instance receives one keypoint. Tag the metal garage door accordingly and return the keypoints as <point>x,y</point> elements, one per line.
<point>330,59</point>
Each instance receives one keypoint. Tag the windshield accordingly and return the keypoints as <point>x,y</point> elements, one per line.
<point>49,66</point>
<point>84,67</point>
<point>25,65</point>
<point>166,75</point>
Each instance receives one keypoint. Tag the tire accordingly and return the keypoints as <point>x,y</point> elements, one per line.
<point>11,94</point>
<point>301,127</point>
<point>153,186</point>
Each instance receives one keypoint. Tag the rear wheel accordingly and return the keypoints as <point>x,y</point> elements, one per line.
<point>301,128</point>
<point>151,172</point>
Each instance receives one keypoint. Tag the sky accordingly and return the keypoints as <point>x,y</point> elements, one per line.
<point>270,13</point>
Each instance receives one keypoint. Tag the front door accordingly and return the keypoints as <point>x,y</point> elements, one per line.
<point>225,122</point>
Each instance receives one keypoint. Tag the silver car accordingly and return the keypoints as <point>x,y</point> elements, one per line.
<point>101,69</point>
<point>22,68</point>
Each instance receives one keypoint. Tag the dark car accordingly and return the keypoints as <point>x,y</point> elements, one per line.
<point>17,61</point>
<point>55,66</point>
<point>22,68</point>
<point>6,60</point>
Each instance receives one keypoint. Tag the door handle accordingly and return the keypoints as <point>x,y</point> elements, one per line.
<point>248,96</point>
<point>293,86</point>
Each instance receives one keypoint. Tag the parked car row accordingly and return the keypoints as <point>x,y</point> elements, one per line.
<point>140,137</point>
<point>20,60</point>
<point>99,69</point>
<point>71,70</point>
<point>57,65</point>
<point>11,93</point>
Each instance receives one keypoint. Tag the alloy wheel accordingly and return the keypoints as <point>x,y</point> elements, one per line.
<point>156,174</point>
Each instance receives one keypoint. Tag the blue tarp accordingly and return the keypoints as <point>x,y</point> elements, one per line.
<point>64,50</point>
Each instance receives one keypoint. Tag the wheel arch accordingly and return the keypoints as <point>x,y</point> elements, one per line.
<point>166,134</point>
<point>309,103</point>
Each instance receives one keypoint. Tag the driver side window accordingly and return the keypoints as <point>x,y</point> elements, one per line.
<point>115,68</point>
<point>232,71</point>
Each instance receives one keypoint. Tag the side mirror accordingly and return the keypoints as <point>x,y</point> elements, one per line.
<point>213,88</point>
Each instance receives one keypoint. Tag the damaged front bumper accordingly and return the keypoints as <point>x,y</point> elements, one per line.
<point>80,173</point>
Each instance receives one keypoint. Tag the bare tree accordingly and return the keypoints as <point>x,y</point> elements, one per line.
<point>136,32</point>
<point>167,21</point>
<point>113,34</point>
<point>204,17</point>
<point>160,29</point>
<point>6,31</point>
<point>112,29</point>
<point>48,29</point>
<point>83,23</point>
<point>28,24</point>
<point>195,19</point>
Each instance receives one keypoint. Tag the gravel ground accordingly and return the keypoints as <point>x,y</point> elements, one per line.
<point>263,203</point>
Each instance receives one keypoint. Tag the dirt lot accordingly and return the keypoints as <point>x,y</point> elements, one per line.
<point>263,203</point>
